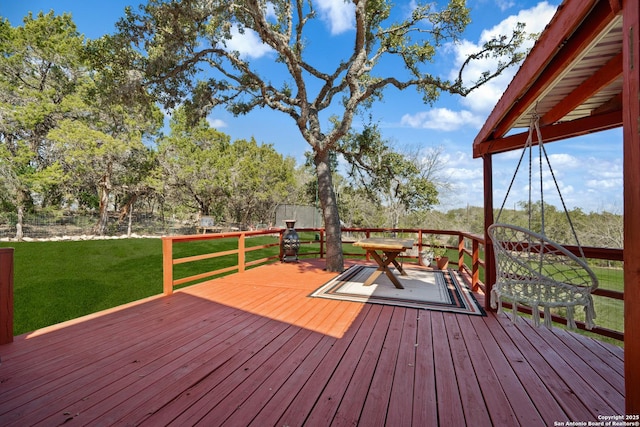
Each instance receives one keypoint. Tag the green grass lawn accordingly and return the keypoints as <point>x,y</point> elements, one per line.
<point>58,281</point>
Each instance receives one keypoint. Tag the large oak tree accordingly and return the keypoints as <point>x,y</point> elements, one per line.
<point>184,50</point>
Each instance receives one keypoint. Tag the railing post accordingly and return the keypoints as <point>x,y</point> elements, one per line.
<point>6,295</point>
<point>475,265</point>
<point>241,253</point>
<point>367,235</point>
<point>460,252</point>
<point>167,265</point>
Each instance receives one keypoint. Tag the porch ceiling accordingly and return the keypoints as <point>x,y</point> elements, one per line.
<point>572,79</point>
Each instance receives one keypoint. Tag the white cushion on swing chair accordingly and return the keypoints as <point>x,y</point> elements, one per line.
<point>535,271</point>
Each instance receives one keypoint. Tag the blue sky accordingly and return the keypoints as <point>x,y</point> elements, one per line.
<point>588,169</point>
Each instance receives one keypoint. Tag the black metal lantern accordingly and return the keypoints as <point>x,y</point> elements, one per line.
<point>290,243</point>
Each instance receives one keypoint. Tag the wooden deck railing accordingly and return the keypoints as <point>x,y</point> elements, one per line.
<point>465,251</point>
<point>6,295</point>
<point>241,251</point>
<point>467,245</point>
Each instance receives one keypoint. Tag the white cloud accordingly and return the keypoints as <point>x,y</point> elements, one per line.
<point>560,162</point>
<point>592,184</point>
<point>339,14</point>
<point>247,43</point>
<point>604,175</point>
<point>216,123</point>
<point>464,177</point>
<point>270,11</point>
<point>480,102</point>
<point>442,119</point>
<point>505,4</point>
<point>604,184</point>
<point>464,174</point>
<point>458,161</point>
<point>535,18</point>
<point>484,98</point>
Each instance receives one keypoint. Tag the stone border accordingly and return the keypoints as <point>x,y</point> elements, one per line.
<point>79,238</point>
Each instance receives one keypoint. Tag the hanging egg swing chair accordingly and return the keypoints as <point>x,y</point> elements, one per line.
<point>533,270</point>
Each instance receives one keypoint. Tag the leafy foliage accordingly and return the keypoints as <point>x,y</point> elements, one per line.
<point>39,77</point>
<point>63,137</point>
<point>242,181</point>
<point>196,166</point>
<point>398,181</point>
<point>261,179</point>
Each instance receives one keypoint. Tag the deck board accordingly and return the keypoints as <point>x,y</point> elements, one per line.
<point>520,403</point>
<point>472,398</point>
<point>370,386</point>
<point>296,413</point>
<point>400,404</point>
<point>449,398</point>
<point>531,382</point>
<point>596,379</point>
<point>559,382</point>
<point>560,362</point>
<point>351,370</point>
<point>425,399</point>
<point>495,398</point>
<point>253,349</point>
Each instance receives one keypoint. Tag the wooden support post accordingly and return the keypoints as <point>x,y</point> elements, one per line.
<point>6,295</point>
<point>167,265</point>
<point>631,177</point>
<point>489,262</point>
<point>241,253</point>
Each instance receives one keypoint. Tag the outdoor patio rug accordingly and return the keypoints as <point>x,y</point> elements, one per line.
<point>439,290</point>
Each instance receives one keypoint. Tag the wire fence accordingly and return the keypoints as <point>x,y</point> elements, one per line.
<point>45,226</point>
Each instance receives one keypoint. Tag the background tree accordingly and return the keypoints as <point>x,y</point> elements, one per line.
<point>41,67</point>
<point>604,229</point>
<point>177,39</point>
<point>94,156</point>
<point>402,183</point>
<point>358,207</point>
<point>102,141</point>
<point>196,164</point>
<point>261,178</point>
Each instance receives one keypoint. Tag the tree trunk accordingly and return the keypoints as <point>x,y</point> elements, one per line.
<point>335,261</point>
<point>130,220</point>
<point>105,188</point>
<point>19,232</point>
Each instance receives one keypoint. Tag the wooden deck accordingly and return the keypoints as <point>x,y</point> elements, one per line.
<point>252,349</point>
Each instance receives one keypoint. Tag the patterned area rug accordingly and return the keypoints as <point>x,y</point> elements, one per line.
<point>439,290</point>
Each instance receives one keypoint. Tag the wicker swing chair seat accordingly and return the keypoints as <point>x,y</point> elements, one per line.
<point>533,270</point>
